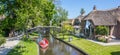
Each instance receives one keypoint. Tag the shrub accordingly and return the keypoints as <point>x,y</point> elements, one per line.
<point>67,29</point>
<point>2,40</point>
<point>102,30</point>
<point>24,38</point>
<point>102,39</point>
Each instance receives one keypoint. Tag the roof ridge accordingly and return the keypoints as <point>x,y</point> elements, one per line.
<point>107,9</point>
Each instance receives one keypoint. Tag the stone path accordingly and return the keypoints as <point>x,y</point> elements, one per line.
<point>115,42</point>
<point>10,44</point>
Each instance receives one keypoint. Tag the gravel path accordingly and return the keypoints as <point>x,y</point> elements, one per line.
<point>10,44</point>
<point>115,42</point>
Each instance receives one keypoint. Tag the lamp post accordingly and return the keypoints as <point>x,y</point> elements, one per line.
<point>70,38</point>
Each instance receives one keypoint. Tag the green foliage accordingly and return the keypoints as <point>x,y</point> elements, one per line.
<point>2,40</point>
<point>24,38</point>
<point>67,28</point>
<point>48,10</point>
<point>34,34</point>
<point>24,14</point>
<point>82,11</point>
<point>25,48</point>
<point>60,16</point>
<point>102,30</point>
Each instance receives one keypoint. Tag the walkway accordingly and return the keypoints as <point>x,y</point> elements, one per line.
<point>114,42</point>
<point>10,44</point>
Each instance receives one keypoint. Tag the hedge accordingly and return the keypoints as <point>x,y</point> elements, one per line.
<point>102,30</point>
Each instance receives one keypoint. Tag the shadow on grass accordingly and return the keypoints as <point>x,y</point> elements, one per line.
<point>78,39</point>
<point>115,53</point>
<point>28,40</point>
<point>63,38</point>
<point>18,50</point>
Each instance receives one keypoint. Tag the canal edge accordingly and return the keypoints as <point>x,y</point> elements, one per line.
<point>38,50</point>
<point>80,50</point>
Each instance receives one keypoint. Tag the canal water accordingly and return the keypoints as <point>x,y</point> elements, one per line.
<point>57,47</point>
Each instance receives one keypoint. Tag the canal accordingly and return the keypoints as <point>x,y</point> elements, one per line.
<point>57,47</point>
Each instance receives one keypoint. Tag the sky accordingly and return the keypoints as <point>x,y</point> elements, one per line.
<point>74,6</point>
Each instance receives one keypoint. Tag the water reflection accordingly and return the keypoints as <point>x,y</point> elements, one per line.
<point>58,48</point>
<point>44,50</point>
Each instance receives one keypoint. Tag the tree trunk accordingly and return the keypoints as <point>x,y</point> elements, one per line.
<point>33,24</point>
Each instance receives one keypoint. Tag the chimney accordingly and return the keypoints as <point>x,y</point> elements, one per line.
<point>118,7</point>
<point>94,8</point>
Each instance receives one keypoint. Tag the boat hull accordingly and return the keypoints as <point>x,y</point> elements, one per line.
<point>44,43</point>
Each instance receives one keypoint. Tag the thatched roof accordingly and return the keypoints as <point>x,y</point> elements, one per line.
<point>108,17</point>
<point>71,21</point>
<point>80,17</point>
<point>116,13</point>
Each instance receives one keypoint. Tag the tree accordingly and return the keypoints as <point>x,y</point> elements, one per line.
<point>82,11</point>
<point>8,24</point>
<point>67,29</point>
<point>60,16</point>
<point>48,10</point>
<point>23,14</point>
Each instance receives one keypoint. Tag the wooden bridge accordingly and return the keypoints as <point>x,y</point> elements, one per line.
<point>45,29</point>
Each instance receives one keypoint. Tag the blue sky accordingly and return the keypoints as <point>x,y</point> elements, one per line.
<point>73,6</point>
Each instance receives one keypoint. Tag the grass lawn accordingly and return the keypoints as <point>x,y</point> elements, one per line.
<point>93,48</point>
<point>25,48</point>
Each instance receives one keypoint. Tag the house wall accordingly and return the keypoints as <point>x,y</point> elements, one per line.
<point>82,24</point>
<point>116,31</point>
<point>111,30</point>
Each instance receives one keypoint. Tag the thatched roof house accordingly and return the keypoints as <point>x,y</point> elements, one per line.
<point>110,18</point>
<point>77,20</point>
<point>74,21</point>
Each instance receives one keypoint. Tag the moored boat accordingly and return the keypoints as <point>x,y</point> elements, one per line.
<point>44,43</point>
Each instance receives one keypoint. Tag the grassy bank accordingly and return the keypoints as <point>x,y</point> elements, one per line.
<point>93,48</point>
<point>25,48</point>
